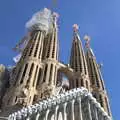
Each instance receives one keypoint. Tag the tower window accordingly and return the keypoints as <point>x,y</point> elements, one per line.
<point>39,76</point>
<point>92,72</point>
<point>45,72</point>
<point>101,100</point>
<point>36,49</point>
<point>87,84</point>
<point>97,83</point>
<point>30,73</point>
<point>31,69</point>
<point>51,70</point>
<point>15,99</point>
<point>24,72</point>
<point>102,84</point>
<point>77,84</point>
<point>82,84</point>
<point>33,43</point>
<point>35,76</point>
<point>40,42</point>
<point>53,49</point>
<point>94,95</point>
<point>35,99</point>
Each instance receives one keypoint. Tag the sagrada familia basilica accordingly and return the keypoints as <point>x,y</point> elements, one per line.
<point>40,87</point>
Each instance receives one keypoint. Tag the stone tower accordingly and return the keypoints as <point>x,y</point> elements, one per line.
<point>35,75</point>
<point>78,62</point>
<point>96,80</point>
<point>36,82</point>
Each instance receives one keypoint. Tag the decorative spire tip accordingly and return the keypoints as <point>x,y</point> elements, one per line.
<point>56,15</point>
<point>87,39</point>
<point>75,27</point>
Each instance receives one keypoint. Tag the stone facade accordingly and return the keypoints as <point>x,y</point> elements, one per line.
<point>37,79</point>
<point>76,104</point>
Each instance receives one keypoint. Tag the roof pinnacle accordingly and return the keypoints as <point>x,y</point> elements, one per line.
<point>87,39</point>
<point>75,27</point>
<point>56,15</point>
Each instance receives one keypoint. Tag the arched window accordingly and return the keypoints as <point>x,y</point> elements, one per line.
<point>39,76</point>
<point>82,83</point>
<point>87,84</point>
<point>35,76</point>
<point>24,72</point>
<point>51,70</point>
<point>33,43</point>
<point>77,83</point>
<point>37,45</point>
<point>45,72</point>
<point>30,73</point>
<point>101,100</point>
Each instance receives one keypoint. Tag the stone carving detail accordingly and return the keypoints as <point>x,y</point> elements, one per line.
<point>57,101</point>
<point>45,91</point>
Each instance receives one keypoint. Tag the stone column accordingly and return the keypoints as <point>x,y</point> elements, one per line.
<point>89,110</point>
<point>64,112</point>
<point>37,116</point>
<point>56,111</point>
<point>72,110</point>
<point>80,109</point>
<point>46,115</point>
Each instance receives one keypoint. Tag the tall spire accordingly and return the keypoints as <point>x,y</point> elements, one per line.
<point>96,80</point>
<point>78,61</point>
<point>50,58</point>
<point>33,75</point>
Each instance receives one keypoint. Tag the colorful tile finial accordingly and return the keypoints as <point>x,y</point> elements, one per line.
<point>75,27</point>
<point>87,39</point>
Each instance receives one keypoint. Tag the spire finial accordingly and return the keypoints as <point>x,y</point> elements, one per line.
<point>87,39</point>
<point>56,15</point>
<point>75,27</point>
<point>55,18</point>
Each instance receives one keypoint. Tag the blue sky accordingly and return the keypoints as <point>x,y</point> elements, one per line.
<point>98,18</point>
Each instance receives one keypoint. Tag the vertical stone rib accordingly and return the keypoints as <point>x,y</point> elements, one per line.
<point>89,110</point>
<point>56,113</point>
<point>80,109</point>
<point>72,110</point>
<point>64,111</point>
<point>46,115</point>
<point>31,42</point>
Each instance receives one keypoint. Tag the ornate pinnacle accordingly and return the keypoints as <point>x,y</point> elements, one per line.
<point>87,39</point>
<point>56,15</point>
<point>75,27</point>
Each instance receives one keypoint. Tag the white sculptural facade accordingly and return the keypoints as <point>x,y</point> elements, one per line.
<point>76,104</point>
